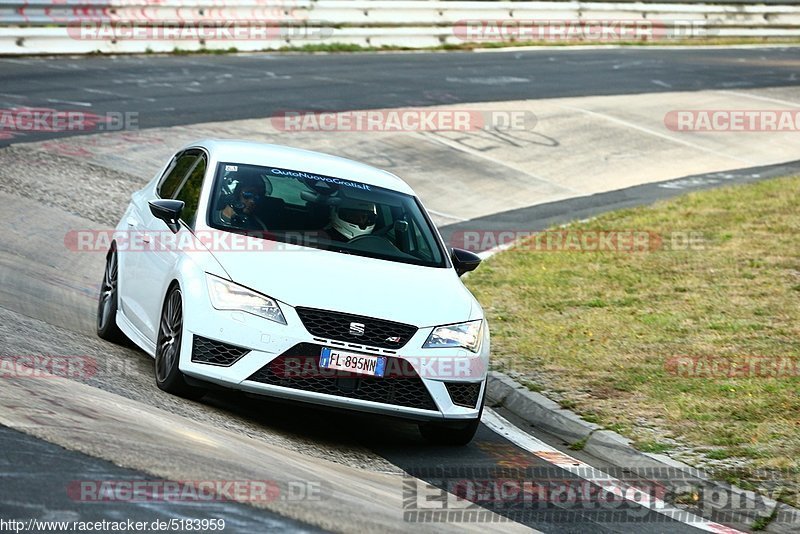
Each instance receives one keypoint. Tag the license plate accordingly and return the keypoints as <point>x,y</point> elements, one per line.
<point>355,363</point>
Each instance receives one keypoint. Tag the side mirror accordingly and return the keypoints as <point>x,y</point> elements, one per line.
<point>168,211</point>
<point>464,261</point>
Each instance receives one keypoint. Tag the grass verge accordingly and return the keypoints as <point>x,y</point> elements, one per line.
<point>692,350</point>
<point>343,48</point>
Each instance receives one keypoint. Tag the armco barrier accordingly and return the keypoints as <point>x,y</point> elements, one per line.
<point>54,27</point>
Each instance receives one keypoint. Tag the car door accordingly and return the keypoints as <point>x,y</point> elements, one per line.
<point>149,264</point>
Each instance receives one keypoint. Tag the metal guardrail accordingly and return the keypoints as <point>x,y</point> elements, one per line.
<point>85,26</point>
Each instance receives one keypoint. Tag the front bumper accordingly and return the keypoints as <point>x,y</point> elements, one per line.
<point>249,353</point>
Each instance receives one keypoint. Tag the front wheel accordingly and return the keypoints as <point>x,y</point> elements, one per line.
<point>107,302</point>
<point>168,349</point>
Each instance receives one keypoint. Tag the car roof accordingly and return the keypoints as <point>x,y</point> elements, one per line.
<point>253,153</point>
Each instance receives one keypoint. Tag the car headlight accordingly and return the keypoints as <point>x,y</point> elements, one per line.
<point>467,335</point>
<point>229,296</point>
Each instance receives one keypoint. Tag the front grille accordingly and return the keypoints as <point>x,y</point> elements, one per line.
<point>212,352</point>
<point>298,368</point>
<point>464,393</point>
<point>335,325</point>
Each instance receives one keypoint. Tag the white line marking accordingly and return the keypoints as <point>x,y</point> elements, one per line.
<point>104,92</point>
<point>658,134</point>
<point>492,251</point>
<point>488,80</point>
<point>70,102</point>
<point>542,450</point>
<point>447,216</point>
<point>764,98</point>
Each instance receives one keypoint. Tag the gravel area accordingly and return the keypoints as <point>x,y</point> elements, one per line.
<point>76,187</point>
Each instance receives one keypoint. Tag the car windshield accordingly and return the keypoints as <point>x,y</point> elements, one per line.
<point>324,212</point>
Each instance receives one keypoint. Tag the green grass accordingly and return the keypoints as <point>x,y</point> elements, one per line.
<point>763,522</point>
<point>579,445</point>
<point>339,47</point>
<point>652,446</point>
<point>609,330</point>
<point>208,51</point>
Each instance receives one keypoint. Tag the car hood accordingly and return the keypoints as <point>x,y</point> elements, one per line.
<point>299,276</point>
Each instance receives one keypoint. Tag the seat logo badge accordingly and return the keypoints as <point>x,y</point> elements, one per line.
<point>356,329</point>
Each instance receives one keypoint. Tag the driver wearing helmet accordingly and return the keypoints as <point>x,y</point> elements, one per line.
<point>241,210</point>
<point>351,219</point>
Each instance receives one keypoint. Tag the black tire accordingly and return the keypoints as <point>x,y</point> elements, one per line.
<point>168,348</point>
<point>107,302</point>
<point>452,434</point>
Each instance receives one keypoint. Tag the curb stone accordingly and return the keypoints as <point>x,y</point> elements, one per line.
<point>541,412</point>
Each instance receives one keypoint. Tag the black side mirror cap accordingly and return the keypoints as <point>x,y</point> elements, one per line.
<point>464,261</point>
<point>168,211</point>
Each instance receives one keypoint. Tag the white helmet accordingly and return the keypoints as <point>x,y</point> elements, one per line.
<point>354,218</point>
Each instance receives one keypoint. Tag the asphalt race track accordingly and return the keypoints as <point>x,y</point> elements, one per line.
<point>168,91</point>
<point>48,293</point>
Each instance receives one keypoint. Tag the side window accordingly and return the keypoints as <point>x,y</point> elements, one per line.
<point>190,192</point>
<point>176,173</point>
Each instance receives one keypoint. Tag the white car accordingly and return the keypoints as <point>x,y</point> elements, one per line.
<point>298,275</point>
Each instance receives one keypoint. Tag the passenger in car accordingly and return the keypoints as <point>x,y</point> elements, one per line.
<point>241,210</point>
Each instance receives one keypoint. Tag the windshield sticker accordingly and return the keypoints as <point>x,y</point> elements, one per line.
<point>231,168</point>
<point>316,177</point>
